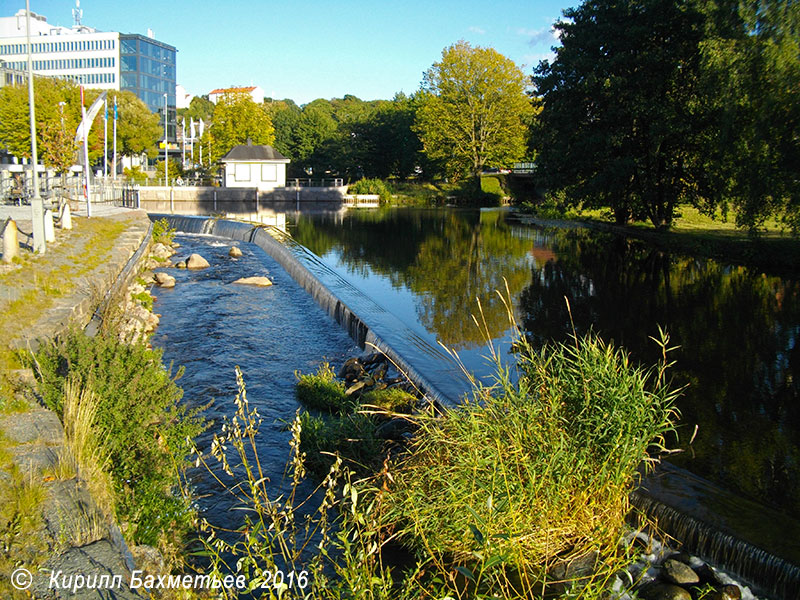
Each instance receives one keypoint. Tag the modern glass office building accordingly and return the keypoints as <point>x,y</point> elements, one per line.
<point>147,68</point>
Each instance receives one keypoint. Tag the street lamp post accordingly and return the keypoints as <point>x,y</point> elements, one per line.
<point>37,206</point>
<point>166,146</point>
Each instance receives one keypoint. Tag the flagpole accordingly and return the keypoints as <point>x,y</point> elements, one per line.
<point>37,206</point>
<point>105,139</point>
<point>114,162</point>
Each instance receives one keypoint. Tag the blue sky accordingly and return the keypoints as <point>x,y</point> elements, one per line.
<point>307,50</point>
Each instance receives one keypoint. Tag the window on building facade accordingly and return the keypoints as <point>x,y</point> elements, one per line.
<point>269,172</point>
<point>241,172</point>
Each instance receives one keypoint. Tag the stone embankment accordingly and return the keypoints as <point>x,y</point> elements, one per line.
<point>77,539</point>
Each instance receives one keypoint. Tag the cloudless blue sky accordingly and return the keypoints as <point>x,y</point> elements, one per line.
<point>305,50</point>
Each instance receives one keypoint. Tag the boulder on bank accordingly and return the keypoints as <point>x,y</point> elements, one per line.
<point>164,280</point>
<point>195,261</point>
<point>257,281</point>
<point>234,252</point>
<point>161,251</point>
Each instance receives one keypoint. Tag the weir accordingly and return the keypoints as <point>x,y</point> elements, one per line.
<point>696,518</point>
<point>368,324</point>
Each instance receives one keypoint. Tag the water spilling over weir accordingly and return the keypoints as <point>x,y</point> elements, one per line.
<point>690,520</point>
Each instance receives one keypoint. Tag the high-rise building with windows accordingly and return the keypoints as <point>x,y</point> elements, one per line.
<point>95,59</point>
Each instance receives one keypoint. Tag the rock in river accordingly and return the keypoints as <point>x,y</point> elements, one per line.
<point>234,252</point>
<point>164,280</point>
<point>195,261</point>
<point>259,281</point>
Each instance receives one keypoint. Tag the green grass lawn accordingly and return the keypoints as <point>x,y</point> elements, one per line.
<point>689,219</point>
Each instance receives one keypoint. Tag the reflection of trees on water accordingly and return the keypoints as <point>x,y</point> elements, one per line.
<point>739,336</point>
<point>448,259</point>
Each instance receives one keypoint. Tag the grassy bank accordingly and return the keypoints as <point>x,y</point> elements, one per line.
<point>33,283</point>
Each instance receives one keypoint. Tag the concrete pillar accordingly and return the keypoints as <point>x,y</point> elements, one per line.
<point>66,217</point>
<point>49,230</point>
<point>10,241</point>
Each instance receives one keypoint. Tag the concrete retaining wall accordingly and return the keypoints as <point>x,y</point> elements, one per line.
<point>236,201</point>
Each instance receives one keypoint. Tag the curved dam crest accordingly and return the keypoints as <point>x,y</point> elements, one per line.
<point>368,324</point>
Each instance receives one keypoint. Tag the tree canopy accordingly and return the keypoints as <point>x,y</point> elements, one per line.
<point>58,113</point>
<point>652,103</point>
<point>473,110</point>
<point>237,119</point>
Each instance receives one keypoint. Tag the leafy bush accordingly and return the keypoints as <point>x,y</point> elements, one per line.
<point>322,391</point>
<point>143,425</point>
<point>162,232</point>
<point>492,187</point>
<point>135,174</point>
<point>372,186</point>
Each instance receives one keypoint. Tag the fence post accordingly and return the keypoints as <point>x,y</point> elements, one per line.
<point>171,202</point>
<point>215,200</point>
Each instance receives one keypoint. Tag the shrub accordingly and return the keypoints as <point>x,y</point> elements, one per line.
<point>322,391</point>
<point>142,423</point>
<point>372,186</point>
<point>536,470</point>
<point>135,174</point>
<point>162,232</point>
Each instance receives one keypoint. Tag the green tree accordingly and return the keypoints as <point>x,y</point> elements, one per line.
<point>58,113</point>
<point>752,72</point>
<point>473,110</point>
<point>200,107</point>
<point>624,116</point>
<point>236,119</point>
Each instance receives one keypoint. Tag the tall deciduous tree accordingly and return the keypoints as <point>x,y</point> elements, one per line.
<point>752,72</point>
<point>237,119</point>
<point>473,110</point>
<point>624,114</point>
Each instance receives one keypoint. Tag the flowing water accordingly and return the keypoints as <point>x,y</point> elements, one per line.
<point>209,325</point>
<point>409,280</point>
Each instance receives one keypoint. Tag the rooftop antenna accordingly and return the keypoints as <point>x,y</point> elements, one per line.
<point>77,13</point>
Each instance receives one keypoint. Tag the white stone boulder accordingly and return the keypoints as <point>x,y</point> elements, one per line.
<point>164,280</point>
<point>195,261</point>
<point>257,281</point>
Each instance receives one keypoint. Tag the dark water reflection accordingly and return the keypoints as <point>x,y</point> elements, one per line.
<point>737,327</point>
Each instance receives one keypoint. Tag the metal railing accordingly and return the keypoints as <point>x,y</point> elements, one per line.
<point>323,183</point>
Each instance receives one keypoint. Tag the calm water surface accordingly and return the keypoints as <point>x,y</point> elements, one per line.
<point>737,327</point>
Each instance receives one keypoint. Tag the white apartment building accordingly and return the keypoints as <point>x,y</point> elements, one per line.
<point>82,54</point>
